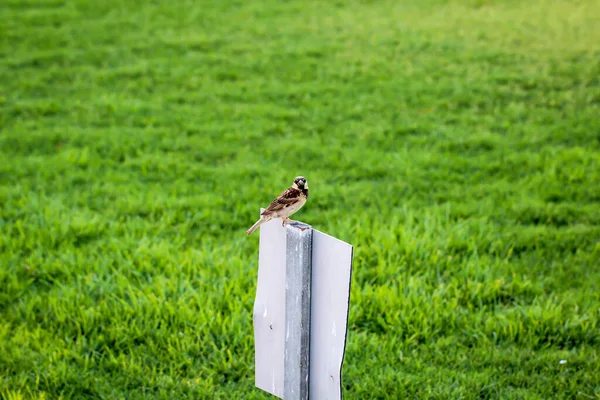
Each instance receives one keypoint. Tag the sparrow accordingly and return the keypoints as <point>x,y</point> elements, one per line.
<point>287,203</point>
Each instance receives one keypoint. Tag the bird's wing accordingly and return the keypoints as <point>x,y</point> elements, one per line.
<point>285,199</point>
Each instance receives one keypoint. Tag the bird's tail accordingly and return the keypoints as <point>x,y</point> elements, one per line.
<point>255,226</point>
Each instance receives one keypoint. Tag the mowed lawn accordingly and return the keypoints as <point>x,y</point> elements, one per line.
<point>455,144</point>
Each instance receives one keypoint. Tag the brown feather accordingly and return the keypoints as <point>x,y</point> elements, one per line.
<point>285,199</point>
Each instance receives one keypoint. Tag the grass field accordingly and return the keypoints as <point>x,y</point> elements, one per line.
<point>455,144</point>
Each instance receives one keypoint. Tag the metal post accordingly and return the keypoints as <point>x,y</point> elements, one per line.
<point>298,272</point>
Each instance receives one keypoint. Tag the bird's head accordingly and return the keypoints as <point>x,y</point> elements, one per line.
<point>300,183</point>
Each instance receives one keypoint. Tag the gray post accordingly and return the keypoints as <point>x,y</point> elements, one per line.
<point>298,270</point>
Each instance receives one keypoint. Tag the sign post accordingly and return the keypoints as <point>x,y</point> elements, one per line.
<point>298,268</point>
<point>301,311</point>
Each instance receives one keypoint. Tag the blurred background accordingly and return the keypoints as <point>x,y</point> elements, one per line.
<point>455,144</point>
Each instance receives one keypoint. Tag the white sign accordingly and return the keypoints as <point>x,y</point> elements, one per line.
<point>330,294</point>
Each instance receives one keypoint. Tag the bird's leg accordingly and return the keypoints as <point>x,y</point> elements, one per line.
<point>290,221</point>
<point>284,220</point>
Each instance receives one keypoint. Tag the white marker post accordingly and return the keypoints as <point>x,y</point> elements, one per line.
<point>301,311</point>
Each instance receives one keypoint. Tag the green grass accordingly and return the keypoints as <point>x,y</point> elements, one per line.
<point>455,144</point>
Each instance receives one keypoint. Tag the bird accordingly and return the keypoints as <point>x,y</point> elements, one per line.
<point>286,204</point>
